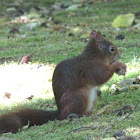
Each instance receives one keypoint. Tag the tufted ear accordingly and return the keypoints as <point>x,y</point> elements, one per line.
<point>99,36</point>
<point>93,34</point>
<point>96,35</point>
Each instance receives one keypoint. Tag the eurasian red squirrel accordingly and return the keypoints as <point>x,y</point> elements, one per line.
<point>74,85</point>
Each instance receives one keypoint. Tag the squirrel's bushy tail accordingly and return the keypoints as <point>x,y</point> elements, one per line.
<point>14,121</point>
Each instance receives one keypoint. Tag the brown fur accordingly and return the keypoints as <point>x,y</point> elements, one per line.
<point>14,121</point>
<point>72,77</point>
<point>26,59</point>
<point>72,81</point>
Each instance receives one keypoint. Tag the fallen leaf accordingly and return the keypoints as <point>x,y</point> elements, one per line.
<point>83,24</point>
<point>125,20</point>
<point>77,30</point>
<point>30,26</point>
<point>12,9</point>
<point>26,126</point>
<point>33,15</point>
<point>57,27</point>
<point>71,15</point>
<point>57,6</point>
<point>61,31</point>
<point>134,86</point>
<point>21,36</point>
<point>7,95</point>
<point>104,109</point>
<point>126,82</point>
<point>74,7</point>
<point>30,98</point>
<point>79,1</point>
<point>16,3</point>
<point>65,4</point>
<point>22,19</point>
<point>137,81</point>
<point>26,59</point>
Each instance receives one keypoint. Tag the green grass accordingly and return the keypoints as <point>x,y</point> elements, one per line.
<point>47,46</point>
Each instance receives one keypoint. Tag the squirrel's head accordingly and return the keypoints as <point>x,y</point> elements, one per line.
<point>104,47</point>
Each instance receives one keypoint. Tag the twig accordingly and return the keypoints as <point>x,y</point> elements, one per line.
<point>107,128</point>
<point>86,136</point>
<point>127,115</point>
<point>84,127</point>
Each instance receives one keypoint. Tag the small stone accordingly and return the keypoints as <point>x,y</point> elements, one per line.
<point>120,37</point>
<point>57,22</point>
<point>14,30</point>
<point>71,34</point>
<point>118,134</point>
<point>62,31</point>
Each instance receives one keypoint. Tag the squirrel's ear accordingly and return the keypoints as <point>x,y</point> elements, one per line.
<point>99,36</point>
<point>96,35</point>
<point>93,34</point>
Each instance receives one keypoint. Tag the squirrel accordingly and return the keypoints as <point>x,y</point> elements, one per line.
<point>74,85</point>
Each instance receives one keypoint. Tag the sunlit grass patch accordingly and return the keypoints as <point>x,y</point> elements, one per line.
<point>23,81</point>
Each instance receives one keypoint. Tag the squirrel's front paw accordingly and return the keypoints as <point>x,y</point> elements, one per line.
<point>121,68</point>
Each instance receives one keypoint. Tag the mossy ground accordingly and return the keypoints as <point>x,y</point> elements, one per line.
<point>48,46</point>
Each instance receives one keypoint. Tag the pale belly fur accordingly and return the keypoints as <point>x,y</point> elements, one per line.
<point>92,98</point>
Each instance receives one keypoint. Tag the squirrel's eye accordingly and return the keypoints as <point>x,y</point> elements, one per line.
<point>112,49</point>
